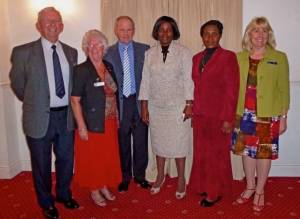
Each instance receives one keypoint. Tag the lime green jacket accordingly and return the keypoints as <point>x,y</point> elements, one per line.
<point>273,86</point>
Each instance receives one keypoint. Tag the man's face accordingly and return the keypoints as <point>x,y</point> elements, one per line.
<point>124,30</point>
<point>50,25</point>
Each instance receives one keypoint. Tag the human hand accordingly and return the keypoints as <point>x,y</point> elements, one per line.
<point>83,134</point>
<point>187,112</point>
<point>226,127</point>
<point>144,111</point>
<point>282,125</point>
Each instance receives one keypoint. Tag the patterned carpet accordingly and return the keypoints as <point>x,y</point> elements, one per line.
<point>17,200</point>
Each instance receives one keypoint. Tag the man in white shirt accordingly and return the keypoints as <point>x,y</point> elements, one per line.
<point>41,77</point>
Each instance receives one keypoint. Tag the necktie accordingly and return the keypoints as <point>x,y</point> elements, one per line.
<point>126,70</point>
<point>59,81</point>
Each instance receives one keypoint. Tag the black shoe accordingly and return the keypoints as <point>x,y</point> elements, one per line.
<point>70,203</point>
<point>143,183</point>
<point>203,194</point>
<point>123,186</point>
<point>50,213</point>
<point>207,204</point>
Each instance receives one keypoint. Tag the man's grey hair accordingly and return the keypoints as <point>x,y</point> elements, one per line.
<point>41,12</point>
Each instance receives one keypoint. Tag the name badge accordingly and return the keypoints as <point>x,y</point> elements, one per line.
<point>272,62</point>
<point>99,84</point>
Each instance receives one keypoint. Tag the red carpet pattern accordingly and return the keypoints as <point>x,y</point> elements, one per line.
<point>17,201</point>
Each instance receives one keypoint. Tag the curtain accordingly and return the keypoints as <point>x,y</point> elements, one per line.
<point>190,15</point>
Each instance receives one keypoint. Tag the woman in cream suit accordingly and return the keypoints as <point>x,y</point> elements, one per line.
<point>167,94</point>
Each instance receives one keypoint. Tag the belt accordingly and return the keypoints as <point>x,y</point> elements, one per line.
<point>130,96</point>
<point>60,108</point>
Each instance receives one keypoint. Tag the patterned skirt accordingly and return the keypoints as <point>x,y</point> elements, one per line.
<point>256,137</point>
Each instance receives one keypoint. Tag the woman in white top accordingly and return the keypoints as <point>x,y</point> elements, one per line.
<point>166,95</point>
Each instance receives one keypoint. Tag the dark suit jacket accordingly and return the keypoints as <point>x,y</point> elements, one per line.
<point>216,88</point>
<point>93,98</point>
<point>29,82</point>
<point>113,57</point>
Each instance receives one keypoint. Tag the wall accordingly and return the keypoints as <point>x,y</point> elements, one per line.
<point>284,17</point>
<point>9,145</point>
<point>17,20</point>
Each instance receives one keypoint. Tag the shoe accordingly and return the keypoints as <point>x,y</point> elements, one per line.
<point>180,195</point>
<point>107,194</point>
<point>257,207</point>
<point>123,186</point>
<point>155,190</point>
<point>203,194</point>
<point>50,213</point>
<point>242,199</point>
<point>70,203</point>
<point>142,183</point>
<point>98,199</point>
<point>205,203</point>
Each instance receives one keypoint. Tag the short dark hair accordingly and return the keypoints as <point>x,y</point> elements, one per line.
<point>164,19</point>
<point>216,23</point>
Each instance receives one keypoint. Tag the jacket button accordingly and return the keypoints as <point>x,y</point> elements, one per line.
<point>93,110</point>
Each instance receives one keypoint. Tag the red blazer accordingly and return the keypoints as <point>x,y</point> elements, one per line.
<point>217,86</point>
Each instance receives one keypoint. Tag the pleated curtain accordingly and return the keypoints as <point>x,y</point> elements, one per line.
<point>190,15</point>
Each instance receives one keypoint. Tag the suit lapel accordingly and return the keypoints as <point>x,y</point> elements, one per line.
<point>91,68</point>
<point>214,58</point>
<point>70,59</point>
<point>244,66</point>
<point>137,54</point>
<point>69,56</point>
<point>119,67</point>
<point>39,61</point>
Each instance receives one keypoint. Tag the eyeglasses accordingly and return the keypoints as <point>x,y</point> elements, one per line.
<point>98,45</point>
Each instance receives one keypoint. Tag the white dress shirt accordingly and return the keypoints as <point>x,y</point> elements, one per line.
<point>55,101</point>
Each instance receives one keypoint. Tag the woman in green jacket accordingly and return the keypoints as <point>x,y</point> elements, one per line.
<point>262,107</point>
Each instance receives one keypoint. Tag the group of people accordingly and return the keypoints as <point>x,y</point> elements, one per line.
<point>228,101</point>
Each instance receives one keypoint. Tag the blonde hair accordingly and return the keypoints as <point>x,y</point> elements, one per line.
<point>97,34</point>
<point>258,21</point>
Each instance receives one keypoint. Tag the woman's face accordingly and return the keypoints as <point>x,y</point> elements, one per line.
<point>165,34</point>
<point>211,36</point>
<point>259,37</point>
<point>95,49</point>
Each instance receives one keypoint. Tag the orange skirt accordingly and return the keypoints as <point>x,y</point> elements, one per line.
<point>97,161</point>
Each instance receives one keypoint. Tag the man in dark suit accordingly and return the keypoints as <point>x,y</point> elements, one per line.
<point>127,58</point>
<point>41,77</point>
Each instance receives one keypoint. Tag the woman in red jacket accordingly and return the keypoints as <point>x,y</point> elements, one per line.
<point>216,78</point>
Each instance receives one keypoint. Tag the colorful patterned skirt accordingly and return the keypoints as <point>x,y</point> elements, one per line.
<point>256,137</point>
